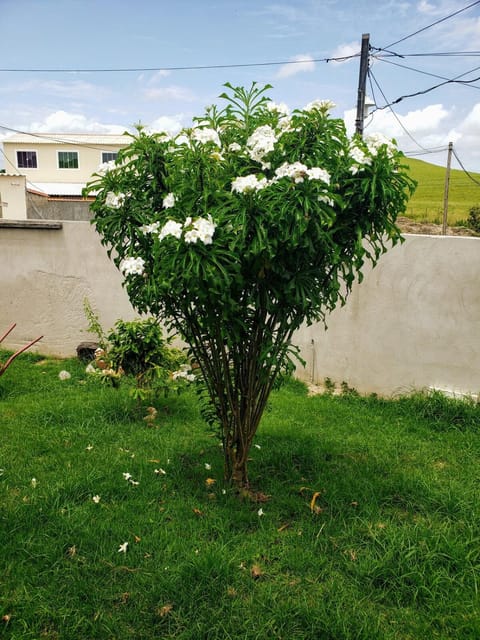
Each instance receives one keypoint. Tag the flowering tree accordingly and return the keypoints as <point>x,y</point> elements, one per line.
<point>240,229</point>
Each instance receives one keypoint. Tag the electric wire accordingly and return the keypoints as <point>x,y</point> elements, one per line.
<point>477,182</point>
<point>180,68</point>
<point>454,80</point>
<point>394,114</point>
<point>426,73</point>
<point>52,138</point>
<point>433,24</point>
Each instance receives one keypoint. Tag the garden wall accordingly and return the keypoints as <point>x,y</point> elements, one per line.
<point>414,321</point>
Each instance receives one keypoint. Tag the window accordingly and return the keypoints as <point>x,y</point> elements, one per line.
<point>27,159</point>
<point>68,159</point>
<point>108,156</point>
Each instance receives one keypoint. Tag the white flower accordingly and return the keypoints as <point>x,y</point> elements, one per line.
<point>170,228</point>
<point>160,471</point>
<point>323,197</point>
<point>321,105</point>
<point>150,228</point>
<point>202,229</point>
<point>377,140</point>
<point>261,142</point>
<point>127,476</point>
<point>96,499</point>
<point>244,184</point>
<point>208,466</point>
<point>64,375</point>
<point>282,109</point>
<point>234,147</point>
<point>295,170</point>
<point>257,446</point>
<point>134,483</point>
<point>105,167</point>
<point>206,135</point>
<point>89,447</point>
<point>260,512</point>
<point>184,373</point>
<point>33,482</point>
<point>132,266</point>
<point>114,200</point>
<point>318,174</point>
<point>123,548</point>
<point>359,156</point>
<point>169,201</point>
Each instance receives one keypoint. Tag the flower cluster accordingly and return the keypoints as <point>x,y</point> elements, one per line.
<point>132,266</point>
<point>115,200</point>
<point>298,172</point>
<point>193,230</point>
<point>105,167</point>
<point>244,184</point>
<point>320,105</point>
<point>295,170</point>
<point>204,135</point>
<point>261,142</point>
<point>184,373</point>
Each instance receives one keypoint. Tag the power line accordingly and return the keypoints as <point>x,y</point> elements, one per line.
<point>395,115</point>
<point>45,136</point>
<point>429,26</point>
<point>464,170</point>
<point>185,68</point>
<point>434,54</point>
<point>426,73</point>
<point>454,80</point>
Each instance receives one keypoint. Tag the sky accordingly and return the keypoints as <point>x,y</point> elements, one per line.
<point>51,52</point>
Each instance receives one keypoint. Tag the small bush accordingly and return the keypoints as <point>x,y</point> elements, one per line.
<point>473,220</point>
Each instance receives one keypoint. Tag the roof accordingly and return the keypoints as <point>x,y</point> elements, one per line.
<point>57,188</point>
<point>100,139</point>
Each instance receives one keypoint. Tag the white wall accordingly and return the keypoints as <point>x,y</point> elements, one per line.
<point>13,197</point>
<point>45,274</point>
<point>414,321</point>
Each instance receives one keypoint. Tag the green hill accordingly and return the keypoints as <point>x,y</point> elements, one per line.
<point>426,205</point>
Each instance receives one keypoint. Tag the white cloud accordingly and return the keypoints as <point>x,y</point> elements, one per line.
<point>172,92</point>
<point>298,64</point>
<point>63,121</point>
<point>169,124</point>
<point>345,50</point>
<point>425,7</point>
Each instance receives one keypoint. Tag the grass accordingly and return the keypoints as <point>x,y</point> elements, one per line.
<point>371,529</point>
<point>426,205</point>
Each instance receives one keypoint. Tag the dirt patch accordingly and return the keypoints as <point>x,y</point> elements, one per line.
<point>411,226</point>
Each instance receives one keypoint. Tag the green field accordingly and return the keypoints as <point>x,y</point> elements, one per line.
<point>366,527</point>
<point>426,205</point>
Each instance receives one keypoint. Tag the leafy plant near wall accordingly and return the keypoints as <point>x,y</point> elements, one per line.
<point>473,221</point>
<point>240,229</point>
<point>138,350</point>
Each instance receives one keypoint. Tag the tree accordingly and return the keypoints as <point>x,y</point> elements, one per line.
<point>240,229</point>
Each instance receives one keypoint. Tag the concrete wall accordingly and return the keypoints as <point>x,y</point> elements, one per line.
<point>12,197</point>
<point>44,208</point>
<point>45,275</point>
<point>414,321</point>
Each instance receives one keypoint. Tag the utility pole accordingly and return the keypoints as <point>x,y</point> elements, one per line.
<point>445,193</point>
<point>362,82</point>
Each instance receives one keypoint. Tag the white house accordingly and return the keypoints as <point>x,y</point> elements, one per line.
<point>56,166</point>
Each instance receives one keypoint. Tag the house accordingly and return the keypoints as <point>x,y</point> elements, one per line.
<point>57,167</point>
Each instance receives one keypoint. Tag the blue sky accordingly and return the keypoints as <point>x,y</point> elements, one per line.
<point>113,34</point>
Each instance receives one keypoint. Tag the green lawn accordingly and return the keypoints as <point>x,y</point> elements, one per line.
<point>426,205</point>
<point>370,530</point>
